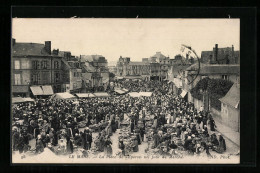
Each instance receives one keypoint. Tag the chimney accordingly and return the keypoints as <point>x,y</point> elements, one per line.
<point>13,41</point>
<point>55,51</point>
<point>48,46</point>
<point>232,48</point>
<point>216,53</point>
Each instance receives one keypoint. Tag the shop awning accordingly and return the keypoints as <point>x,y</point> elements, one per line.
<point>36,90</point>
<point>183,94</point>
<point>17,100</point>
<point>85,95</point>
<point>62,96</point>
<point>101,94</point>
<point>47,90</point>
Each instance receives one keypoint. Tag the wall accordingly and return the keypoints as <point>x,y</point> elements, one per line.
<point>75,81</point>
<point>230,116</point>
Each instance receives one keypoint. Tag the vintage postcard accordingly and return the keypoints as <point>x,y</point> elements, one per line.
<point>105,90</point>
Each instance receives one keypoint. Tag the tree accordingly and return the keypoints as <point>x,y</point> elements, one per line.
<point>217,88</point>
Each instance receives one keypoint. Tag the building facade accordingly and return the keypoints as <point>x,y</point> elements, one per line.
<point>95,73</point>
<point>34,64</point>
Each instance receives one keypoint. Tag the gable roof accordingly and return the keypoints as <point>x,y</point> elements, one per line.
<point>232,98</point>
<point>35,49</point>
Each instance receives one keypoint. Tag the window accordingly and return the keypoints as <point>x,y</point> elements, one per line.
<point>44,65</point>
<point>35,65</point>
<point>35,78</point>
<point>25,64</point>
<point>57,77</point>
<point>225,77</point>
<point>16,64</point>
<point>45,77</point>
<point>56,64</point>
<point>17,79</point>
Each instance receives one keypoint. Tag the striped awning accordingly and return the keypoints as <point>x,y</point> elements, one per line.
<point>47,90</point>
<point>36,90</point>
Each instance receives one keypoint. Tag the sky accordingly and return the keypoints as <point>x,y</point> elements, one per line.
<point>135,38</point>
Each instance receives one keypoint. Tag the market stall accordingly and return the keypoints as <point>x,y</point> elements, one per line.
<point>101,94</point>
<point>85,95</point>
<point>62,96</point>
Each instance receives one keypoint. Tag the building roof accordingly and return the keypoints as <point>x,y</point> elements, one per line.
<point>215,68</point>
<point>232,98</point>
<point>35,49</point>
<point>220,69</point>
<point>138,63</point>
<point>159,55</point>
<point>93,58</point>
<point>89,68</point>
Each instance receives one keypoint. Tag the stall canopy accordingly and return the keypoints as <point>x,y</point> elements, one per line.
<point>101,94</point>
<point>17,100</point>
<point>119,91</point>
<point>134,94</point>
<point>85,95</point>
<point>28,99</point>
<point>21,100</point>
<point>118,77</point>
<point>47,90</point>
<point>183,94</point>
<point>36,90</point>
<point>62,96</point>
<point>144,94</point>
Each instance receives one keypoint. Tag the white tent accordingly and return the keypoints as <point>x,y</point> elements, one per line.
<point>145,94</point>
<point>101,94</point>
<point>62,96</point>
<point>17,100</point>
<point>85,95</point>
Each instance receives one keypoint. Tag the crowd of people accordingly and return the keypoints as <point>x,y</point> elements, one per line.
<point>167,122</point>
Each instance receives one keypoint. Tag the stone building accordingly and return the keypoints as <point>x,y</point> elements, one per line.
<point>35,69</point>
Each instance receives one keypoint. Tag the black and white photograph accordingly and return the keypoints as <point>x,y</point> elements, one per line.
<point>125,90</point>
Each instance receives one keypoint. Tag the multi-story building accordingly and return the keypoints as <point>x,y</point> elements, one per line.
<point>191,76</point>
<point>35,69</point>
<point>153,68</point>
<point>71,72</point>
<point>96,72</point>
<point>218,55</point>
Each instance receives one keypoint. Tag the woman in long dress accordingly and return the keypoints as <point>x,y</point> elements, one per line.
<point>108,149</point>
